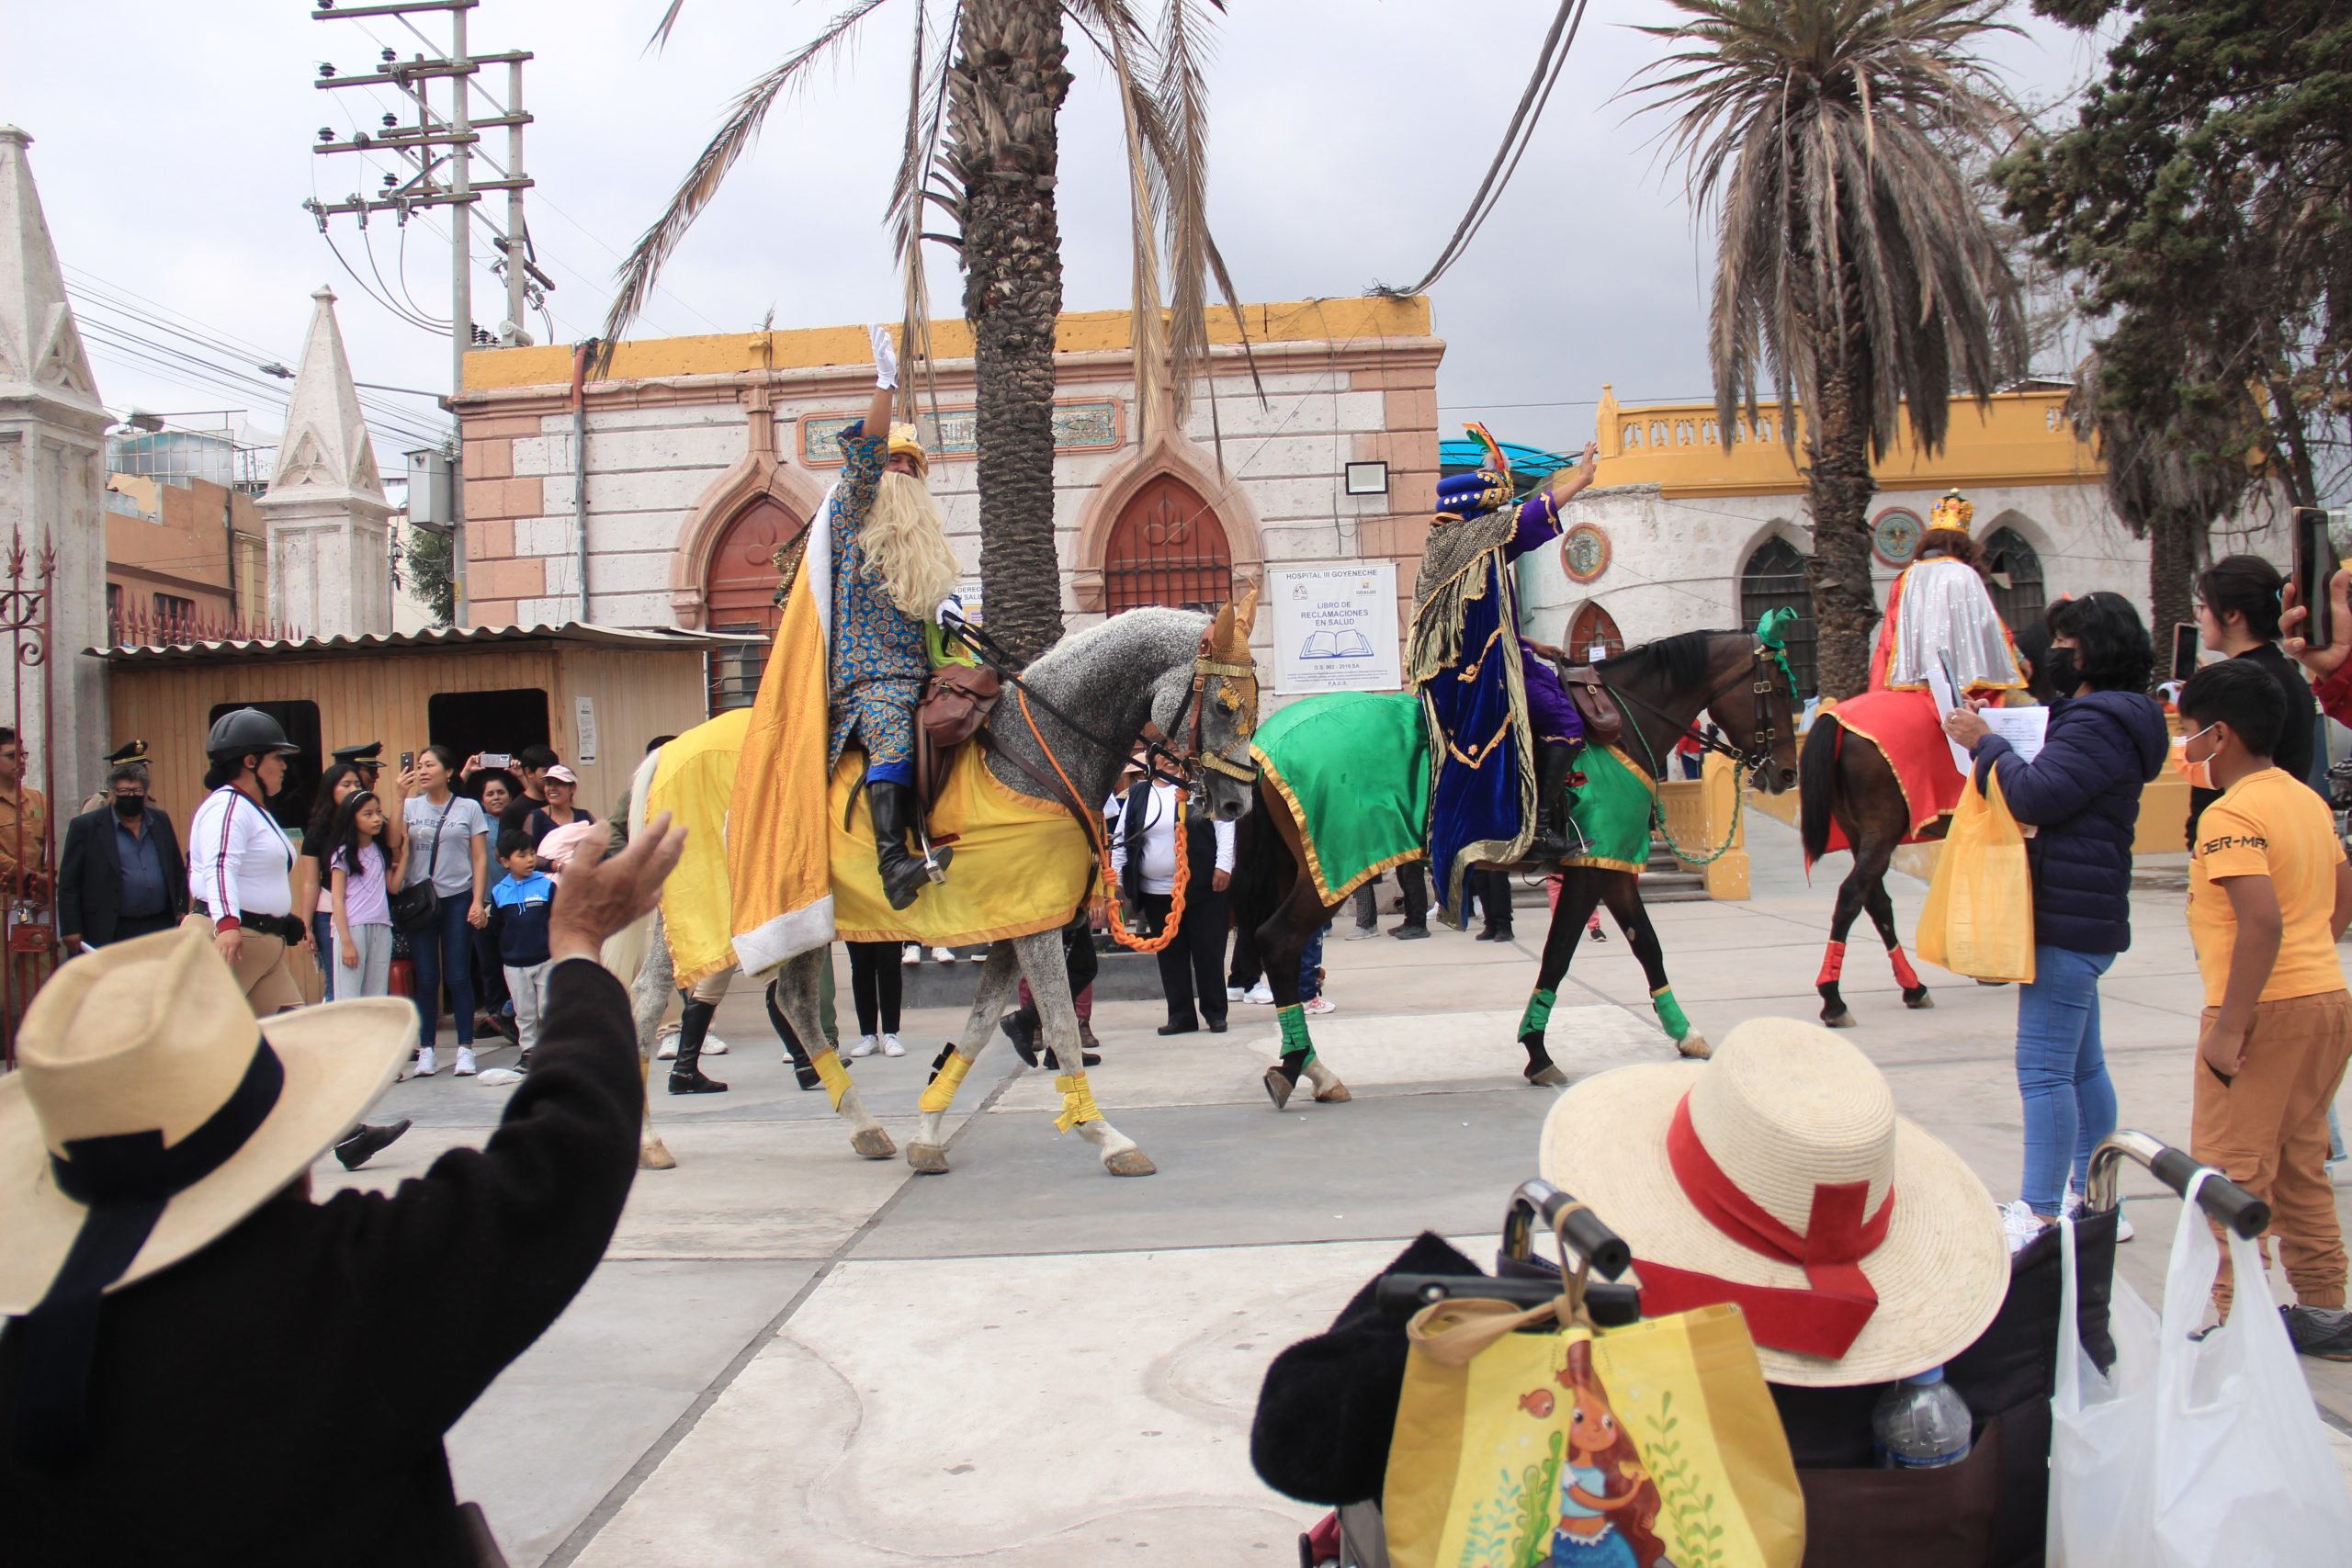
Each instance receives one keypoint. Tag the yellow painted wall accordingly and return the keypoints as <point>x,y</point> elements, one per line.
<point>810,348</point>
<point>2020,438</point>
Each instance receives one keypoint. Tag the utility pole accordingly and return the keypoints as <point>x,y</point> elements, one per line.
<point>439,150</point>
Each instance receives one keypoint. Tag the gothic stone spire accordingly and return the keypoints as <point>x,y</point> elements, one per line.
<point>325,447</point>
<point>40,347</point>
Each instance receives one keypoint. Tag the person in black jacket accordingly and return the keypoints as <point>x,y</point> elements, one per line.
<point>2081,796</point>
<point>122,873</point>
<point>205,1367</point>
<point>2238,602</point>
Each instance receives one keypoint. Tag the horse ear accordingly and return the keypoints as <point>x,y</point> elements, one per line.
<point>1245,614</point>
<point>1221,629</point>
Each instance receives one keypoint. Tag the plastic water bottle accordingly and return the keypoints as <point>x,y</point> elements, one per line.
<point>1920,1423</point>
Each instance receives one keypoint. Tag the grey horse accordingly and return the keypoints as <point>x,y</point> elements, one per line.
<point>1184,672</point>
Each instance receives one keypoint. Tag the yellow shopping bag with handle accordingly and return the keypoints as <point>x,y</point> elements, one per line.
<point>1978,919</point>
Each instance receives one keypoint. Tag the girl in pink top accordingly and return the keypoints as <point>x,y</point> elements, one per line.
<point>363,914</point>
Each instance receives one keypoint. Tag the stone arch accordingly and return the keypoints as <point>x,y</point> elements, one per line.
<point>1168,455</point>
<point>755,475</point>
<point>1772,576</point>
<point>1588,624</point>
<point>2015,548</point>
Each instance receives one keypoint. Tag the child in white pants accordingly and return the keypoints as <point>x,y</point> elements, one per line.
<point>362,911</point>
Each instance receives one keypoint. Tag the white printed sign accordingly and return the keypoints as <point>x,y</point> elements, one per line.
<point>583,730</point>
<point>1335,628</point>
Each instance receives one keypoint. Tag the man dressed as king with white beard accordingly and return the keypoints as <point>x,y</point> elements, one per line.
<point>893,573</point>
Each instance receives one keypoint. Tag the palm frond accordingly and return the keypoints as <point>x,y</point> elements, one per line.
<point>1148,328</point>
<point>661,39</point>
<point>910,194</point>
<point>736,132</point>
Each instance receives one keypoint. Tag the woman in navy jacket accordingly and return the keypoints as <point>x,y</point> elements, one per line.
<point>2080,797</point>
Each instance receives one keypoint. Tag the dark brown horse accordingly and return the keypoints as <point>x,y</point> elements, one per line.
<point>1662,688</point>
<point>1845,778</point>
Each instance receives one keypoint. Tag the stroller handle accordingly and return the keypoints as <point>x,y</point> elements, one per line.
<point>2223,1201</point>
<point>1583,1230</point>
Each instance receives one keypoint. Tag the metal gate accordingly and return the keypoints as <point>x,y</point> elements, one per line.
<point>1773,580</point>
<point>1167,547</point>
<point>31,955</point>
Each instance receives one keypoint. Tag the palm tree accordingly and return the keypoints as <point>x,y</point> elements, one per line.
<point>986,82</point>
<point>1855,269</point>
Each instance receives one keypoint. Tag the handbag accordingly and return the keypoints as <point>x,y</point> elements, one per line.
<point>417,907</point>
<point>2189,1451</point>
<point>1978,917</point>
<point>1653,1441</point>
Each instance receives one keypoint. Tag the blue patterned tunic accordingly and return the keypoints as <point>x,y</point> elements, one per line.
<point>877,666</point>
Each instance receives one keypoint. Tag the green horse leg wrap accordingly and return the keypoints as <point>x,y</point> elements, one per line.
<point>1293,1020</point>
<point>1669,1013</point>
<point>1538,1013</point>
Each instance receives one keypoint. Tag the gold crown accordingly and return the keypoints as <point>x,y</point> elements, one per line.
<point>1954,511</point>
<point>904,442</point>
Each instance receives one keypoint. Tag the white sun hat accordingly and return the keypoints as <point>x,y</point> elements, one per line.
<point>1777,1176</point>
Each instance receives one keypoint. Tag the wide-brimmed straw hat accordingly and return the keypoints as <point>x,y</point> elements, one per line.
<point>1777,1176</point>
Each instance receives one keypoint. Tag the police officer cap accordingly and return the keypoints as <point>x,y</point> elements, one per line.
<point>366,756</point>
<point>130,751</point>
<point>246,731</point>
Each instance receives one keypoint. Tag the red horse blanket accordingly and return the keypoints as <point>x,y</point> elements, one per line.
<point>1904,726</point>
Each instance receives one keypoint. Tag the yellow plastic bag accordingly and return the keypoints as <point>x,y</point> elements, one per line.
<point>1621,1446</point>
<point>1978,919</point>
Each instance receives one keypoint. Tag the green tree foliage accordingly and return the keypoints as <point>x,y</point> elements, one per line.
<point>2203,198</point>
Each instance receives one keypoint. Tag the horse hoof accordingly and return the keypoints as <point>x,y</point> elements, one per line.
<point>656,1156</point>
<point>1694,1045</point>
<point>1333,1093</point>
<point>928,1159</point>
<point>1919,998</point>
<point>873,1143</point>
<point>1129,1162</point>
<point>1278,1087</point>
<point>1547,1077</point>
<point>1841,1019</point>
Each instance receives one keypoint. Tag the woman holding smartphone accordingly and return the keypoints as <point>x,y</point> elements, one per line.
<point>2238,605</point>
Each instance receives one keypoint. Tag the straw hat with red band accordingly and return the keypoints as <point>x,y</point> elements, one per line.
<point>1778,1177</point>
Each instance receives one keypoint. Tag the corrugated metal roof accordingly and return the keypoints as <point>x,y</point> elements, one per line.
<point>672,639</point>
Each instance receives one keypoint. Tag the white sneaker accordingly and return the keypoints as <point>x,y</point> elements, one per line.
<point>712,1046</point>
<point>2123,1231</point>
<point>2020,1223</point>
<point>426,1065</point>
<point>1262,994</point>
<point>1233,993</point>
<point>1320,1006</point>
<point>466,1069</point>
<point>866,1046</point>
<point>910,956</point>
<point>890,1046</point>
<point>1362,931</point>
<point>942,955</point>
<point>666,1050</point>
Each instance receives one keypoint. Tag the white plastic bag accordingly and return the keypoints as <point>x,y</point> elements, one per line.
<point>2190,1453</point>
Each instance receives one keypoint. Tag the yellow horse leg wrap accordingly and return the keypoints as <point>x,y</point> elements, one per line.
<point>833,1075</point>
<point>1077,1102</point>
<point>940,1093</point>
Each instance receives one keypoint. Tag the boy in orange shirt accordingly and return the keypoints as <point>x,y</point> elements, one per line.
<point>2268,894</point>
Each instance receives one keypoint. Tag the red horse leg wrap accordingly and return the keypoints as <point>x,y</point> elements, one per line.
<point>1833,963</point>
<point>1905,976</point>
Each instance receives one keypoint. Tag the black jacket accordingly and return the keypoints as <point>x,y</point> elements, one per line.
<point>2082,794</point>
<point>89,875</point>
<point>275,1399</point>
<point>2294,753</point>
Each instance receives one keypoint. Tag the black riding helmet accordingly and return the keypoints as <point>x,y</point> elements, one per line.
<point>244,733</point>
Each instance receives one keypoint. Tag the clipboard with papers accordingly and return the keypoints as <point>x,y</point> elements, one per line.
<point>2023,728</point>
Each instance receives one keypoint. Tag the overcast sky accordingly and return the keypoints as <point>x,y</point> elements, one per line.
<point>172,147</point>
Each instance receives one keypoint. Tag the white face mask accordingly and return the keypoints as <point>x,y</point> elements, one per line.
<point>2200,775</point>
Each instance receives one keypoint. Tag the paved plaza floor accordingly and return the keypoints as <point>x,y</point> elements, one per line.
<point>794,1356</point>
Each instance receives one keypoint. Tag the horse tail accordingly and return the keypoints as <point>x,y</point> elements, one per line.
<point>1264,868</point>
<point>1816,782</point>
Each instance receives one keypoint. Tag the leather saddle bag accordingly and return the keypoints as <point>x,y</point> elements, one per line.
<point>956,701</point>
<point>1605,722</point>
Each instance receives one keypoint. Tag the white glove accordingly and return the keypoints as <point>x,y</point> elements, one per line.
<point>886,358</point>
<point>950,611</point>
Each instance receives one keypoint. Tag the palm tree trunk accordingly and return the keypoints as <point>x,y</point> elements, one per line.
<point>1005,87</point>
<point>1839,483</point>
<point>2175,547</point>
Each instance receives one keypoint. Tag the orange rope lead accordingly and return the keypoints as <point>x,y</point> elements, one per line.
<point>1183,857</point>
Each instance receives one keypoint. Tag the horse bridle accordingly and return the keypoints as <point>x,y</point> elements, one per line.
<point>1767,734</point>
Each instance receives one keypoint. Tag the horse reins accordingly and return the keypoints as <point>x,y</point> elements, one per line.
<point>1759,748</point>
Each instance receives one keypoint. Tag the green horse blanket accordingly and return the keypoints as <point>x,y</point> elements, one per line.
<point>1354,768</point>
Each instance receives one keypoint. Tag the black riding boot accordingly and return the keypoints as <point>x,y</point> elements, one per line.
<point>1552,761</point>
<point>685,1073</point>
<point>903,875</point>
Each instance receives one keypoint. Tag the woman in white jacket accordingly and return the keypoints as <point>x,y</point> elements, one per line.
<point>1143,860</point>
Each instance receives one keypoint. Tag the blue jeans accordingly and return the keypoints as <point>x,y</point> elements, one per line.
<point>446,955</point>
<point>2062,1073</point>
<point>1309,961</point>
<point>322,930</point>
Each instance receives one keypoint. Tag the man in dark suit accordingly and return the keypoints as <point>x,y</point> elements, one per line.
<point>122,873</point>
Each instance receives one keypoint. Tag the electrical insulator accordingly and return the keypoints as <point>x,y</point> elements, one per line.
<point>391,121</point>
<point>387,56</point>
<point>326,133</point>
<point>326,68</point>
<point>390,180</point>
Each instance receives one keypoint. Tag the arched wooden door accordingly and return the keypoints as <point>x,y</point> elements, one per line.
<point>740,597</point>
<point>2016,568</point>
<point>1593,628</point>
<point>1167,547</point>
<point>1773,579</point>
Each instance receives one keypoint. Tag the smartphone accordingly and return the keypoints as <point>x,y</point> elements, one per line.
<point>408,760</point>
<point>2186,642</point>
<point>497,758</point>
<point>2315,565</point>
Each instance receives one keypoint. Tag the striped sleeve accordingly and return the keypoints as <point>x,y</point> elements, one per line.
<point>211,853</point>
